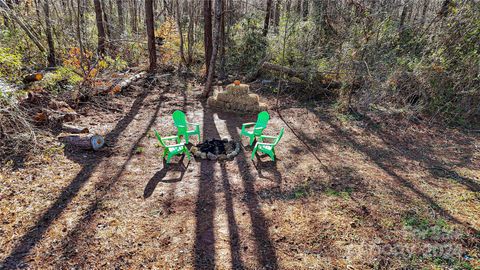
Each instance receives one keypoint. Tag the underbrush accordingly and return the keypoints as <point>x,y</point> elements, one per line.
<point>17,134</point>
<point>422,69</point>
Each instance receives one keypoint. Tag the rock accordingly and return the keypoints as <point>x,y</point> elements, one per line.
<point>222,157</point>
<point>211,156</point>
<point>203,155</point>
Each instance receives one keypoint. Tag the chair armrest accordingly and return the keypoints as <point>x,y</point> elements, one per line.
<point>259,128</point>
<point>248,124</point>
<point>263,137</point>
<point>193,124</point>
<point>170,138</point>
<point>268,144</point>
<point>175,145</point>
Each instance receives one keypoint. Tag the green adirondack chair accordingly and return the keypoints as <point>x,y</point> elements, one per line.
<point>267,148</point>
<point>258,127</point>
<point>182,125</point>
<point>171,150</point>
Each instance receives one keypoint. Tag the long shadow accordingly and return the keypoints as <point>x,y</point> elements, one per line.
<point>102,190</point>
<point>264,246</point>
<point>36,232</point>
<point>232,223</point>
<point>435,167</point>
<point>204,246</point>
<point>268,166</point>
<point>160,176</point>
<point>380,163</point>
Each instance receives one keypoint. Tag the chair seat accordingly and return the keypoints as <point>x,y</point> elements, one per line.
<point>175,148</point>
<point>267,147</point>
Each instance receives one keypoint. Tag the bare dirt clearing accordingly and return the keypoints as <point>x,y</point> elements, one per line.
<point>370,193</point>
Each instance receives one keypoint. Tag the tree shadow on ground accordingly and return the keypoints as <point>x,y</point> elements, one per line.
<point>71,240</point>
<point>160,176</point>
<point>264,246</point>
<point>383,163</point>
<point>232,223</point>
<point>435,167</point>
<point>35,233</point>
<point>204,246</point>
<point>268,166</point>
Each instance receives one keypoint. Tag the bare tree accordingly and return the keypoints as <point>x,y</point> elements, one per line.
<point>51,44</point>
<point>180,32</point>
<point>108,30</point>
<point>149,22</point>
<point>216,40</point>
<point>100,27</point>
<point>276,19</point>
<point>267,17</point>
<point>121,18</point>
<point>207,31</point>
<point>134,16</point>
<point>191,33</point>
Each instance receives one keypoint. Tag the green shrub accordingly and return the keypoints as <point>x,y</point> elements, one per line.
<point>10,65</point>
<point>249,45</point>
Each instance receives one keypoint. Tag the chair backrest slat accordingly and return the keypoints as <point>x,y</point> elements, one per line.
<point>179,118</point>
<point>262,120</point>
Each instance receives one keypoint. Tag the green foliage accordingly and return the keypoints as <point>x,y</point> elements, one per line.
<point>10,65</point>
<point>139,150</point>
<point>249,46</point>
<point>345,193</point>
<point>426,229</point>
<point>60,80</point>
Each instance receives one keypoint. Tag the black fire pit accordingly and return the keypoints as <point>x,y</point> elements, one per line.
<point>215,149</point>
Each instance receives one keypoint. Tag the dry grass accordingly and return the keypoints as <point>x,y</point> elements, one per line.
<point>370,194</point>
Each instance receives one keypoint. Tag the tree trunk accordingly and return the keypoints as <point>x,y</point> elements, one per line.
<point>276,19</point>
<point>424,12</point>
<point>121,18</point>
<point>180,33</point>
<point>149,22</point>
<point>222,41</point>
<point>191,32</point>
<point>402,17</point>
<point>108,29</point>
<point>267,17</point>
<point>207,32</point>
<point>133,17</point>
<point>318,78</point>
<point>79,36</point>
<point>51,45</point>
<point>218,21</point>
<point>305,10</point>
<point>100,28</point>
<point>84,141</point>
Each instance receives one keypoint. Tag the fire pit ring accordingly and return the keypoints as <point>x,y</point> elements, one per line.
<point>216,149</point>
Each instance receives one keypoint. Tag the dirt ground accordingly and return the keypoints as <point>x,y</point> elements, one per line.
<point>378,192</point>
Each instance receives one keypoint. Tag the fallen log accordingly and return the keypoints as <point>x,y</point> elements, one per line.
<point>84,141</point>
<point>316,77</point>
<point>114,86</point>
<point>33,78</point>
<point>74,129</point>
<point>119,86</point>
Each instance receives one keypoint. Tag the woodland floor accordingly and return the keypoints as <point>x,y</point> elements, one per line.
<point>376,192</point>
